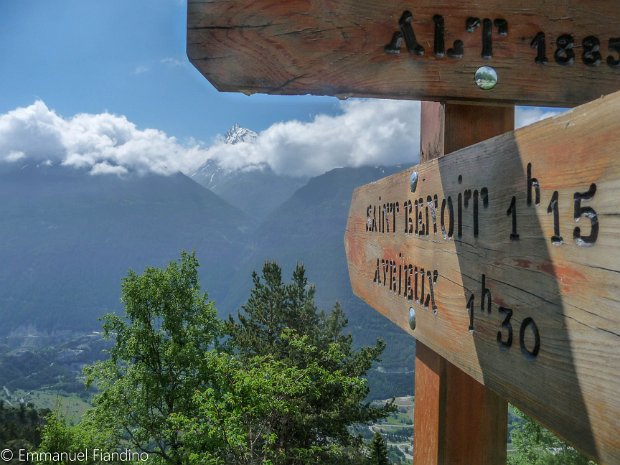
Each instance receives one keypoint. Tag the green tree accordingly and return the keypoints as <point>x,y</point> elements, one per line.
<point>58,435</point>
<point>235,419</point>
<point>281,321</point>
<point>272,307</point>
<point>19,427</point>
<point>157,362</point>
<point>286,391</point>
<point>378,451</point>
<point>535,445</point>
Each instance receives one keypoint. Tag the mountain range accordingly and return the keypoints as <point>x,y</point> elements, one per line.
<point>67,238</point>
<point>256,190</point>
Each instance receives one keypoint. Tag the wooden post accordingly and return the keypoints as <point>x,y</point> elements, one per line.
<point>457,420</point>
<point>494,257</point>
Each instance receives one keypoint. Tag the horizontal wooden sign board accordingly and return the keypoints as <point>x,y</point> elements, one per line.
<point>546,52</point>
<point>508,253</point>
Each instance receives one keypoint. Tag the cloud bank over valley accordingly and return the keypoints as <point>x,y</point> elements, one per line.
<point>364,132</point>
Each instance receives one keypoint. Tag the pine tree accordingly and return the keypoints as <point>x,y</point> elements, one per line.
<point>378,451</point>
<point>281,321</point>
<point>272,307</point>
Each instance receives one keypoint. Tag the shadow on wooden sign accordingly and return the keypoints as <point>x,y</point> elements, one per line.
<point>507,252</point>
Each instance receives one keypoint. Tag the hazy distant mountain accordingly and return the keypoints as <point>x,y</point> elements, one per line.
<point>309,228</point>
<point>256,190</point>
<point>211,175</point>
<point>67,238</point>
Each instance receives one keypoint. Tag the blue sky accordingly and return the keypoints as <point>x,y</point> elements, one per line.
<point>105,85</point>
<point>126,57</point>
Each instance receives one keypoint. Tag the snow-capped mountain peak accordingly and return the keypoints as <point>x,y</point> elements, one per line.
<point>211,173</point>
<point>237,134</point>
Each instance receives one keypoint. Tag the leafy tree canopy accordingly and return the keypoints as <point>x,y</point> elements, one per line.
<point>535,445</point>
<point>285,388</point>
<point>157,362</point>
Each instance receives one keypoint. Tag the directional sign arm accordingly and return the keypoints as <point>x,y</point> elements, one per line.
<point>548,52</point>
<point>508,251</point>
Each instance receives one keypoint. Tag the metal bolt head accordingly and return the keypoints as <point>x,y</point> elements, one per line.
<point>413,181</point>
<point>412,318</point>
<point>486,77</point>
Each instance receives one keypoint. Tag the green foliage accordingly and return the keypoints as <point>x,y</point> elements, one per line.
<point>535,445</point>
<point>240,419</point>
<point>157,362</point>
<point>281,321</point>
<point>19,426</point>
<point>397,457</point>
<point>378,451</point>
<point>59,436</point>
<point>271,308</point>
<point>286,389</point>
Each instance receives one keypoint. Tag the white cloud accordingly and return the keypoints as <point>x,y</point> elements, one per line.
<point>100,143</point>
<point>529,115</point>
<point>105,168</point>
<point>14,156</point>
<point>365,132</point>
<point>172,62</point>
<point>34,131</point>
<point>140,69</point>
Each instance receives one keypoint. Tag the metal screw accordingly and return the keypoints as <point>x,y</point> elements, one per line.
<point>412,318</point>
<point>486,77</point>
<point>413,181</point>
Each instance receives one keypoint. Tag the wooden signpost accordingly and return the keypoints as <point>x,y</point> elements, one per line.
<point>456,419</point>
<point>545,52</point>
<point>505,255</point>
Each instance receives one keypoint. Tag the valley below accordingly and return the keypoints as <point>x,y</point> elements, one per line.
<point>68,238</point>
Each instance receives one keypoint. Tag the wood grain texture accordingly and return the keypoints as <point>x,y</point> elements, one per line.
<point>476,423</point>
<point>327,47</point>
<point>457,419</point>
<point>467,125</point>
<point>433,130</point>
<point>447,128</point>
<point>571,292</point>
<point>430,402</point>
